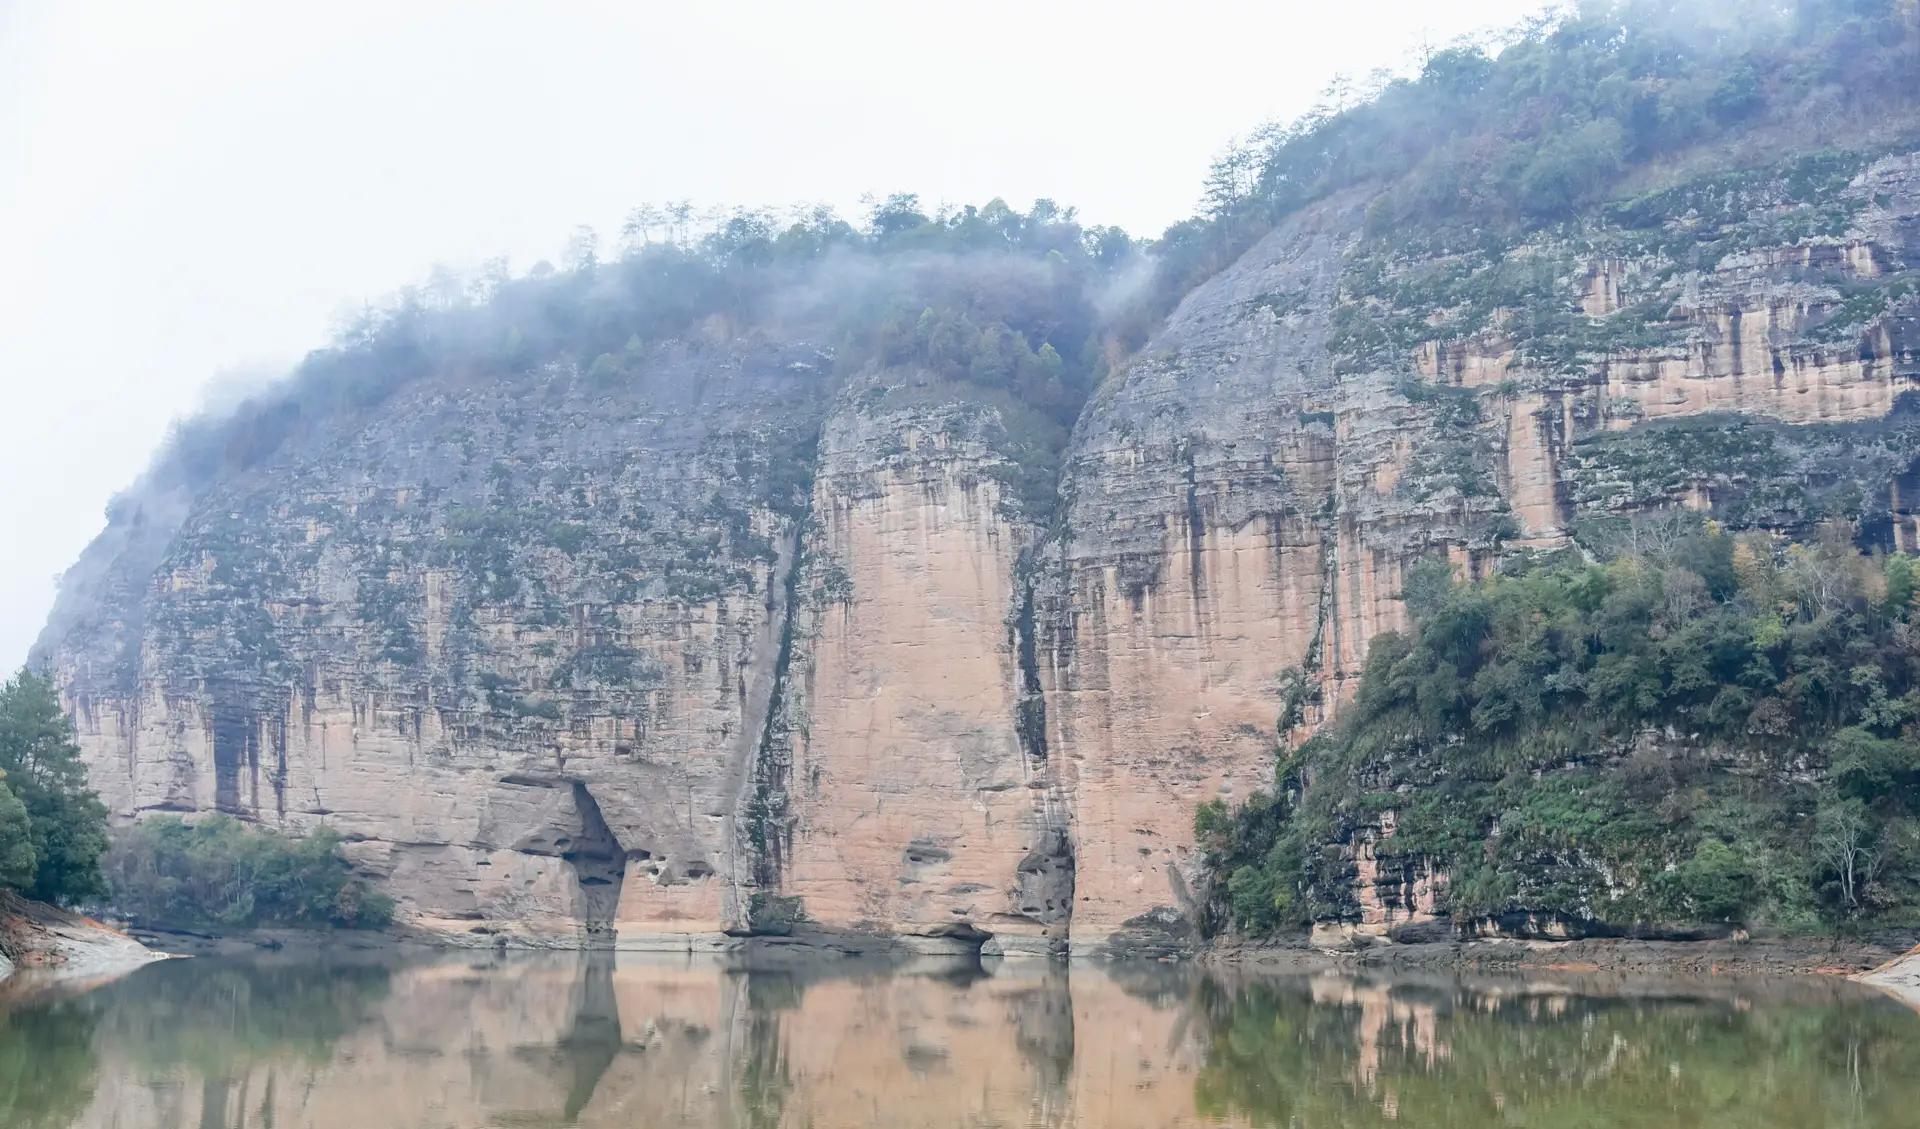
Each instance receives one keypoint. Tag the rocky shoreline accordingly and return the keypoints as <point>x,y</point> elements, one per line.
<point>1890,960</point>
<point>40,942</point>
<point>1781,956</point>
<point>1900,977</point>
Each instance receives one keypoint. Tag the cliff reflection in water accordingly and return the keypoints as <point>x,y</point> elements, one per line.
<point>606,1039</point>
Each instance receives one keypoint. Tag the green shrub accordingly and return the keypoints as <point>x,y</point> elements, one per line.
<point>774,915</point>
<point>221,872</point>
<point>1715,884</point>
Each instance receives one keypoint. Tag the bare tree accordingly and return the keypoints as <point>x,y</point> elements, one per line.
<point>1655,534</point>
<point>1846,842</point>
<point>583,249</point>
<point>493,275</point>
<point>1232,178</point>
<point>445,289</point>
<point>679,217</point>
<point>1686,593</point>
<point>1824,576</point>
<point>637,231</point>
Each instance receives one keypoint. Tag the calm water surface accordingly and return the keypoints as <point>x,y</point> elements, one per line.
<point>630,1040</point>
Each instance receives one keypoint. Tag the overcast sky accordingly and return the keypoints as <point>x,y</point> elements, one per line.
<point>188,188</point>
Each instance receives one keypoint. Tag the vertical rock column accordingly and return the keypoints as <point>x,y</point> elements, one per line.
<point>910,802</point>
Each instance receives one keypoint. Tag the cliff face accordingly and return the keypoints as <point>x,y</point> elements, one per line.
<point>909,802</point>
<point>516,641</point>
<point>736,642</point>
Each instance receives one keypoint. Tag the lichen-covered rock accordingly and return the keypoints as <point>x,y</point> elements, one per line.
<point>514,639</point>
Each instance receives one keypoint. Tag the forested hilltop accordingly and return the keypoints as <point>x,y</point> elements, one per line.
<point>924,573</point>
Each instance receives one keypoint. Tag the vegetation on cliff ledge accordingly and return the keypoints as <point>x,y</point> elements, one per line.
<point>1700,728</point>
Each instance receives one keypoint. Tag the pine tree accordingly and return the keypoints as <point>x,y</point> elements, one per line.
<point>17,858</point>
<point>66,821</point>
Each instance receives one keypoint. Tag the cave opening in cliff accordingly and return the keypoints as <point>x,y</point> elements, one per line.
<point>599,863</point>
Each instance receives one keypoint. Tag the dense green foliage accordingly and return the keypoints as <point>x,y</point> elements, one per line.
<point>221,872</point>
<point>1702,729</point>
<point>17,858</point>
<point>52,826</point>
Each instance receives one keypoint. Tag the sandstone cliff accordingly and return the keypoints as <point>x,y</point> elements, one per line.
<point>743,643</point>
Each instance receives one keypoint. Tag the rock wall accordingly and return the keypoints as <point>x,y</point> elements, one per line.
<point>910,802</point>
<point>514,640</point>
<point>739,643</point>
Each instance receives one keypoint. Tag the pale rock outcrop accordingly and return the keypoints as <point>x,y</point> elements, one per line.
<point>912,803</point>
<point>45,945</point>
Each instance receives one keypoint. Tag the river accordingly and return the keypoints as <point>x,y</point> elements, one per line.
<point>286,1040</point>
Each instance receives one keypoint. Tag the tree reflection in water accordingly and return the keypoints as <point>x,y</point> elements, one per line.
<point>212,1019</point>
<point>47,1064</point>
<point>1334,1052</point>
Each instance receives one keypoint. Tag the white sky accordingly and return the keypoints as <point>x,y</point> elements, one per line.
<point>190,187</point>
